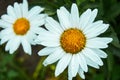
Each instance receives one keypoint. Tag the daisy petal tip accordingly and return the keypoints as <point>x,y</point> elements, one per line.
<point>98,67</point>
<point>110,39</point>
<point>56,74</point>
<point>29,53</point>
<point>88,10</point>
<point>96,10</point>
<point>2,16</point>
<point>40,8</point>
<point>106,46</point>
<point>57,11</point>
<point>105,56</point>
<point>86,70</point>
<point>40,54</point>
<point>101,64</point>
<point>9,6</point>
<point>45,64</point>
<point>83,77</point>
<point>11,52</point>
<point>62,7</point>
<point>34,43</point>
<point>25,3</point>
<point>74,5</point>
<point>6,49</point>
<point>108,25</point>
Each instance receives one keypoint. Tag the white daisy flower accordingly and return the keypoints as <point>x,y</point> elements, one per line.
<point>20,26</point>
<point>73,42</point>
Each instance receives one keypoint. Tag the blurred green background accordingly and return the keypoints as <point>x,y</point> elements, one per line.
<point>20,66</point>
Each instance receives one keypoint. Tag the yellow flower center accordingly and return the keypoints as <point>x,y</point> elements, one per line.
<point>72,40</point>
<point>21,26</point>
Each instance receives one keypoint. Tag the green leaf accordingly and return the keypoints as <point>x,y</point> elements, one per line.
<point>115,50</point>
<point>114,11</point>
<point>12,74</point>
<point>79,2</point>
<point>111,33</point>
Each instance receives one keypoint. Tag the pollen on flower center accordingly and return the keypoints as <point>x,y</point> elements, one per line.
<point>21,26</point>
<point>72,40</point>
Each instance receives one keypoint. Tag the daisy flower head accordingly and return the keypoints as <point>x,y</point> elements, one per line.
<point>73,41</point>
<point>21,26</point>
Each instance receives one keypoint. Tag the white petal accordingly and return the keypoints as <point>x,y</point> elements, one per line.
<point>30,37</point>
<point>6,38</point>
<point>17,10</point>
<point>91,55</point>
<point>5,24</point>
<point>62,64</point>
<point>96,43</point>
<point>70,78</point>
<point>50,43</point>
<point>93,25</point>
<point>46,51</point>
<point>8,45</point>
<point>82,62</point>
<point>52,30</point>
<point>36,30</point>
<point>105,40</point>
<point>100,53</point>
<point>50,40</point>
<point>96,30</point>
<point>37,20</point>
<point>14,45</point>
<point>26,46</point>
<point>37,23</point>
<point>8,18</point>
<point>91,63</point>
<point>74,16</point>
<point>74,65</point>
<point>34,11</point>
<point>64,19</point>
<point>92,17</point>
<point>5,32</point>
<point>81,73</point>
<point>55,56</point>
<point>64,10</point>
<point>84,18</point>
<point>42,32</point>
<point>53,25</point>
<point>69,73</point>
<point>24,8</point>
<point>10,12</point>
<point>37,17</point>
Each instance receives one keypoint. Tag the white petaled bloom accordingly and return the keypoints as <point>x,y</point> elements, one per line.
<point>73,41</point>
<point>21,26</point>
